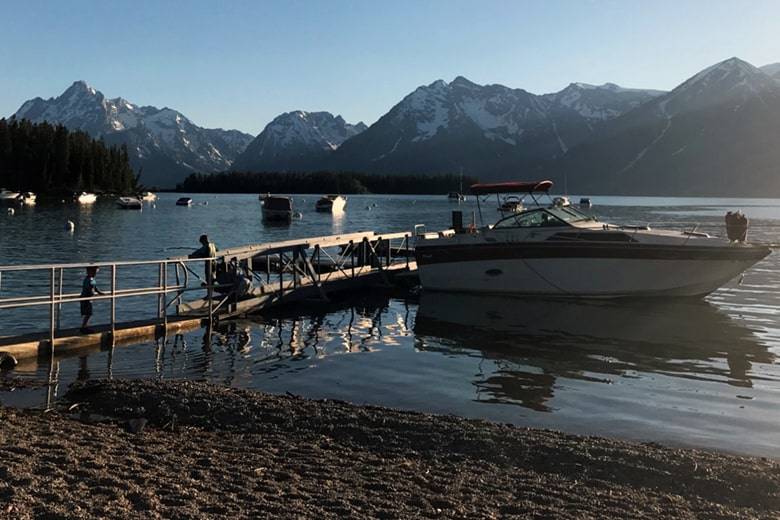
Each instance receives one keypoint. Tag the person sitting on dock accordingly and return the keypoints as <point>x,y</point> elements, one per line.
<point>207,250</point>
<point>88,289</point>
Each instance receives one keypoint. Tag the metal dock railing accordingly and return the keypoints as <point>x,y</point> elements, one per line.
<point>147,299</point>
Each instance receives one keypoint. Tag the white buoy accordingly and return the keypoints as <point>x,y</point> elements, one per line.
<point>298,214</point>
<point>70,226</point>
<point>11,211</point>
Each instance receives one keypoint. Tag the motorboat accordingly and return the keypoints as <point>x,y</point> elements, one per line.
<point>129,203</point>
<point>184,201</point>
<point>27,197</point>
<point>457,196</point>
<point>148,196</point>
<point>8,195</point>
<point>330,204</point>
<point>86,198</point>
<point>277,209</point>
<point>556,249</point>
<point>585,202</point>
<point>511,204</point>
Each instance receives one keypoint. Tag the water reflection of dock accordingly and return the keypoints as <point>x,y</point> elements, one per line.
<point>533,343</point>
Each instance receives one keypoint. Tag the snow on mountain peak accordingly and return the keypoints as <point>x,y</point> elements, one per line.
<point>300,127</point>
<point>732,75</point>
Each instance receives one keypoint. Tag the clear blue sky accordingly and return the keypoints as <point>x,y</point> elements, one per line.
<point>237,64</point>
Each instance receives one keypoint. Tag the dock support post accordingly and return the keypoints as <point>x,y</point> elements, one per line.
<point>113,303</point>
<point>51,311</point>
<point>352,254</point>
<point>59,304</point>
<point>210,291</point>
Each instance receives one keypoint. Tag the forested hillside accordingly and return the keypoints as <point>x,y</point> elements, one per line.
<point>324,182</point>
<point>49,159</point>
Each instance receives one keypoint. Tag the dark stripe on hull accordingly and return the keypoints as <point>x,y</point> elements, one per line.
<point>427,255</point>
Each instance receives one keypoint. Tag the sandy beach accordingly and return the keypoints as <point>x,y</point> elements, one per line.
<point>181,450</point>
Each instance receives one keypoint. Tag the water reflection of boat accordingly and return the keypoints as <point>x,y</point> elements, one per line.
<point>534,342</point>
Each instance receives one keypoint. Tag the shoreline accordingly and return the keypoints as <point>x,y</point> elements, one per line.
<point>193,450</point>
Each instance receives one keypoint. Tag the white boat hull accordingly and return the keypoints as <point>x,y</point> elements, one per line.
<point>129,203</point>
<point>6,195</point>
<point>87,198</point>
<point>588,263</point>
<point>330,204</point>
<point>582,277</point>
<point>561,251</point>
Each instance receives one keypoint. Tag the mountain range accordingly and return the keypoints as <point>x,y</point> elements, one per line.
<point>163,144</point>
<point>713,135</point>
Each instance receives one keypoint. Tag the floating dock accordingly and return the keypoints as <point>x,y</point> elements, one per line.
<point>149,300</point>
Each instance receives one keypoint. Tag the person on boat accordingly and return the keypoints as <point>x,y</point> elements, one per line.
<point>736,226</point>
<point>207,249</point>
<point>88,289</point>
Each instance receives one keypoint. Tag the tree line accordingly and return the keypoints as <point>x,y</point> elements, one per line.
<point>52,160</point>
<point>323,182</point>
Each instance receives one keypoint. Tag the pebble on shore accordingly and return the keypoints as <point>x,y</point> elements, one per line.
<point>163,449</point>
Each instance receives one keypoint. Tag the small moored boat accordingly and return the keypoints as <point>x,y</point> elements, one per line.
<point>184,201</point>
<point>8,195</point>
<point>277,209</point>
<point>129,203</point>
<point>330,204</point>
<point>27,197</point>
<point>86,198</point>
<point>511,204</point>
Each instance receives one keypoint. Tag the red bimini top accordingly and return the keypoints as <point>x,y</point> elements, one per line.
<point>511,187</point>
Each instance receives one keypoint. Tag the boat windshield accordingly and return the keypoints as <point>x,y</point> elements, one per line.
<point>547,217</point>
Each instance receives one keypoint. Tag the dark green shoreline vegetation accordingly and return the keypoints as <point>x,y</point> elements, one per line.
<point>322,182</point>
<point>53,161</point>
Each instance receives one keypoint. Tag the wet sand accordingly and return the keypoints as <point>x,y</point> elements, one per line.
<point>175,450</point>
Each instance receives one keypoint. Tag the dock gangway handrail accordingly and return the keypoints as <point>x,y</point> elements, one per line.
<point>36,285</point>
<point>169,279</point>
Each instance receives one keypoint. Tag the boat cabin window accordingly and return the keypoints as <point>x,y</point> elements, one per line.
<point>533,218</point>
<point>547,217</point>
<point>571,214</point>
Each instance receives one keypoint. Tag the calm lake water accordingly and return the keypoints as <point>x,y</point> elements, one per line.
<point>689,373</point>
